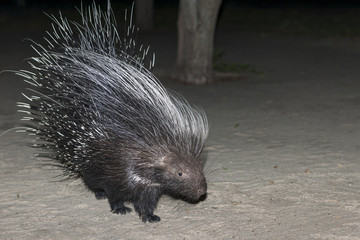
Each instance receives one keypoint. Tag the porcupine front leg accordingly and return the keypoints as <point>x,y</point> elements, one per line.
<point>145,203</point>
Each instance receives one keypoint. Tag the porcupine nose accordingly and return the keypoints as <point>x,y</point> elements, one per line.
<point>201,190</point>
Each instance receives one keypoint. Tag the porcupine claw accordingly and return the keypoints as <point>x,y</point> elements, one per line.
<point>150,218</point>
<point>120,209</point>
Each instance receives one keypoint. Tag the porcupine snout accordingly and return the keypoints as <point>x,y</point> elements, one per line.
<point>201,191</point>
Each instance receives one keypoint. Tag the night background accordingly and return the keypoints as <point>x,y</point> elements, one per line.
<point>319,18</point>
<point>284,113</point>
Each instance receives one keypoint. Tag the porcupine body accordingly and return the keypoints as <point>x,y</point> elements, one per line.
<point>103,117</point>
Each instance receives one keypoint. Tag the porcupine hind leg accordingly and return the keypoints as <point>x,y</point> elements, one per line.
<point>115,200</point>
<point>100,194</point>
<point>93,183</point>
<point>117,203</point>
<point>145,203</point>
<point>119,207</point>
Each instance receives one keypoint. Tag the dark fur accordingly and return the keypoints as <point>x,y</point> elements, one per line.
<point>108,176</point>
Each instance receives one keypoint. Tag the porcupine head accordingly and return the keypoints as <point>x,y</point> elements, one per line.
<point>173,174</point>
<point>104,118</point>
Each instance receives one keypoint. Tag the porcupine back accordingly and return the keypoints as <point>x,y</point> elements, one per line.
<point>92,104</point>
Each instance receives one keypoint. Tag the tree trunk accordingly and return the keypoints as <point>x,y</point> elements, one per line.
<point>144,14</point>
<point>196,30</point>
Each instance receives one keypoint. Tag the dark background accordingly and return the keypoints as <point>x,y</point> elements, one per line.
<point>255,3</point>
<point>315,18</point>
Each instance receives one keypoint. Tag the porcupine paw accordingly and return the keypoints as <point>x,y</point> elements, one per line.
<point>100,195</point>
<point>121,209</point>
<point>150,218</point>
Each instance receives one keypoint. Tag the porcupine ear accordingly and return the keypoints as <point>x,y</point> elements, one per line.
<point>161,162</point>
<point>164,161</point>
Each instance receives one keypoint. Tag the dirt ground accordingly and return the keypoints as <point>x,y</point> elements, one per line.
<point>283,150</point>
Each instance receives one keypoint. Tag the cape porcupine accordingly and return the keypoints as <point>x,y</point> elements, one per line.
<point>95,109</point>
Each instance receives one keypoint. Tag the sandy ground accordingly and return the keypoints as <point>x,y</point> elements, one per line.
<point>283,151</point>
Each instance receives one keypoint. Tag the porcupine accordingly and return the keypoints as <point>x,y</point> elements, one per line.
<point>104,118</point>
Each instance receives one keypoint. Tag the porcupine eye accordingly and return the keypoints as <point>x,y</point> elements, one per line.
<point>180,174</point>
